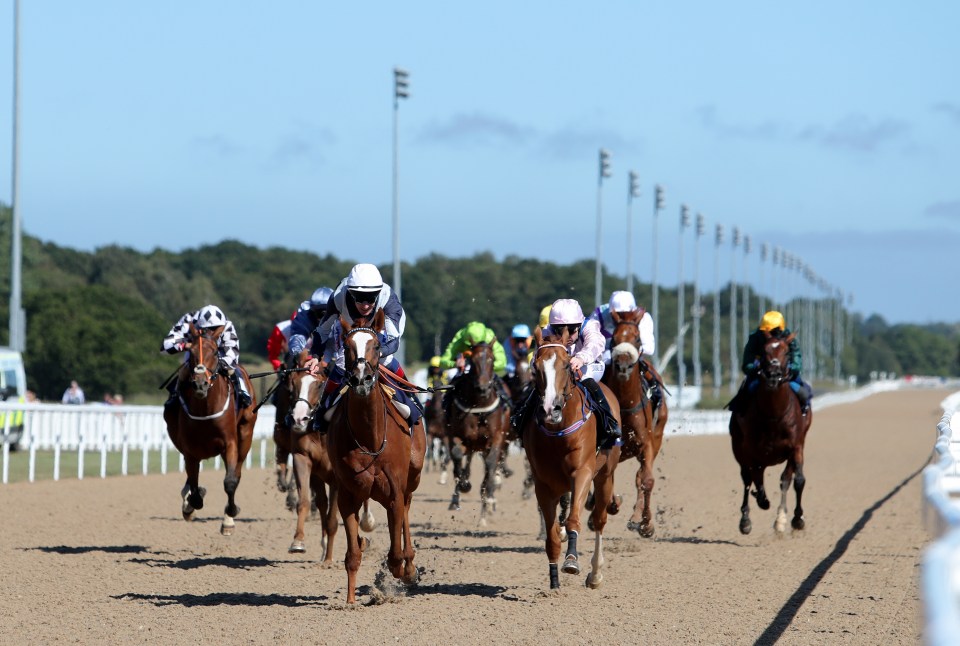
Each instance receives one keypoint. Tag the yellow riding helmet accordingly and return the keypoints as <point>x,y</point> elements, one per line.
<point>772,320</point>
<point>545,316</point>
<point>435,361</point>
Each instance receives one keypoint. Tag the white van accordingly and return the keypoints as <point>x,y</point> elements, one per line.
<point>13,388</point>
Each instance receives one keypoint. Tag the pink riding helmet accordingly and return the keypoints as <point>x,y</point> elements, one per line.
<point>565,311</point>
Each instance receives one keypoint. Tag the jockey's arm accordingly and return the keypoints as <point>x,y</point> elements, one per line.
<point>499,357</point>
<point>230,345</point>
<point>176,337</point>
<point>648,344</point>
<point>456,347</point>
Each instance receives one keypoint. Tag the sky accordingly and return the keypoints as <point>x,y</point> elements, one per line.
<point>828,130</point>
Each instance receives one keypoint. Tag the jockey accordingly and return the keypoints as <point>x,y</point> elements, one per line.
<point>586,350</point>
<point>621,301</point>
<point>359,295</point>
<point>228,344</point>
<point>470,335</point>
<point>307,318</point>
<point>773,324</point>
<point>278,342</point>
<point>519,345</point>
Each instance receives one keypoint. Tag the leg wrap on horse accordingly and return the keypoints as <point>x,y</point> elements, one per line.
<point>608,430</point>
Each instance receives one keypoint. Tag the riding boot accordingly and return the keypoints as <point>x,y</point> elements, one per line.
<point>501,389</point>
<point>804,394</point>
<point>521,414</point>
<point>653,379</point>
<point>243,397</point>
<point>610,427</point>
<point>172,387</point>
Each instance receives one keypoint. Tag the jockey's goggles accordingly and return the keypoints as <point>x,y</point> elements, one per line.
<point>571,327</point>
<point>364,297</point>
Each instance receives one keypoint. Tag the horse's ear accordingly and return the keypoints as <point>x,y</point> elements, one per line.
<point>565,337</point>
<point>194,332</point>
<point>378,320</point>
<point>344,326</point>
<point>790,338</point>
<point>615,315</point>
<point>538,335</point>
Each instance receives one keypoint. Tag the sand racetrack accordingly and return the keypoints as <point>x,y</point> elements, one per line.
<point>112,561</point>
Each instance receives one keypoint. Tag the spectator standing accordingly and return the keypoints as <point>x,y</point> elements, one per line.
<point>73,394</point>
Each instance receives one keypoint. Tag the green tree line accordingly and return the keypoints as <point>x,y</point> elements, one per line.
<point>100,317</point>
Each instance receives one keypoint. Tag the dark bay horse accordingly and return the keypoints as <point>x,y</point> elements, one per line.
<point>642,429</point>
<point>477,422</point>
<point>312,468</point>
<point>561,443</point>
<point>374,453</point>
<point>771,429</point>
<point>438,449</point>
<point>208,423</point>
<point>281,438</point>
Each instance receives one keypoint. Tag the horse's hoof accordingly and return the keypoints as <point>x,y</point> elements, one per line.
<point>745,526</point>
<point>633,526</point>
<point>297,547</point>
<point>593,582</point>
<point>189,515</point>
<point>454,507</point>
<point>798,523</point>
<point>563,534</point>
<point>589,504</point>
<point>646,530</point>
<point>364,543</point>
<point>367,522</point>
<point>590,524</point>
<point>464,486</point>
<point>443,478</point>
<point>507,472</point>
<point>570,565</point>
<point>226,530</point>
<point>527,494</point>
<point>483,522</point>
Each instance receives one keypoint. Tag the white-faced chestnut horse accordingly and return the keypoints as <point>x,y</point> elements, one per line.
<point>374,453</point>
<point>642,430</point>
<point>771,428</point>
<point>477,422</point>
<point>560,439</point>
<point>207,423</point>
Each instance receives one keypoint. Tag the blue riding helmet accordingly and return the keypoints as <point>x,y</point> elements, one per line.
<point>520,331</point>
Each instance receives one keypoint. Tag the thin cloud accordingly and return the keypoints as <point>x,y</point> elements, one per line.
<point>855,132</point>
<point>219,145</point>
<point>944,210</point>
<point>302,147</point>
<point>952,110</point>
<point>477,128</point>
<point>573,142</point>
<point>766,131</point>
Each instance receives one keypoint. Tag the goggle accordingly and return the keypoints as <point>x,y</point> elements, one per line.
<point>365,297</point>
<point>570,327</point>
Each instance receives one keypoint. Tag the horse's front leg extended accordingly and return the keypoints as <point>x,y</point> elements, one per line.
<point>645,483</point>
<point>231,480</point>
<point>780,524</point>
<point>456,457</point>
<point>192,493</point>
<point>799,481</point>
<point>745,524</point>
<point>301,471</point>
<point>548,511</point>
<point>488,502</point>
<point>603,491</point>
<point>330,520</point>
<point>410,573</point>
<point>348,506</point>
<point>582,478</point>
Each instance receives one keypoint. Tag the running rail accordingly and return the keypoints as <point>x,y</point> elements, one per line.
<point>940,568</point>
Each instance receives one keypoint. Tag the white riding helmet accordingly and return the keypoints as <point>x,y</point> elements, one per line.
<point>565,311</point>
<point>210,316</point>
<point>320,298</point>
<point>364,278</point>
<point>621,301</point>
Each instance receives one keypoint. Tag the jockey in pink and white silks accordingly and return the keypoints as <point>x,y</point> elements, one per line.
<point>228,345</point>
<point>586,344</point>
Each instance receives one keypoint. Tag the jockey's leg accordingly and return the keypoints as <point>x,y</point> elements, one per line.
<point>803,391</point>
<point>394,366</point>
<point>243,395</point>
<point>521,414</point>
<point>609,431</point>
<point>501,389</point>
<point>330,389</point>
<point>653,378</point>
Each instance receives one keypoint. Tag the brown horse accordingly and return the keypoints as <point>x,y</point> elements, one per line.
<point>771,429</point>
<point>477,422</point>
<point>311,463</point>
<point>438,449</point>
<point>281,438</point>
<point>561,443</point>
<point>642,426</point>
<point>374,453</point>
<point>208,422</point>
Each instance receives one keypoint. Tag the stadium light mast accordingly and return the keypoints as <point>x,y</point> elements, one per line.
<point>401,90</point>
<point>17,333</point>
<point>717,366</point>
<point>633,191</point>
<point>697,309</point>
<point>681,366</point>
<point>657,207</point>
<point>734,359</point>
<point>604,172</point>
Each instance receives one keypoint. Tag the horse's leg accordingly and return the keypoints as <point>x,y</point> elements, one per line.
<point>348,506</point>
<point>444,461</point>
<point>528,480</point>
<point>464,484</point>
<point>395,522</point>
<point>799,481</point>
<point>780,524</point>
<point>645,482</point>
<point>634,523</point>
<point>603,490</point>
<point>302,467</point>
<point>331,522</point>
<point>760,492</point>
<point>282,454</point>
<point>564,512</point>
<point>548,509</point>
<point>581,488</point>
<point>231,480</point>
<point>745,524</point>
<point>410,574</point>
<point>367,522</point>
<point>456,456</point>
<point>192,493</point>
<point>488,501</point>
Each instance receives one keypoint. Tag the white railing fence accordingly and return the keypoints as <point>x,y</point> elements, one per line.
<point>940,572</point>
<point>99,429</point>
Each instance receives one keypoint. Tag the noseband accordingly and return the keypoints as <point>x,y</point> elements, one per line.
<point>362,360</point>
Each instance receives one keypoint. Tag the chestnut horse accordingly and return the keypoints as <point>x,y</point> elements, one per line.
<point>374,453</point>
<point>642,429</point>
<point>208,422</point>
<point>477,422</point>
<point>771,428</point>
<point>311,463</point>
<point>561,443</point>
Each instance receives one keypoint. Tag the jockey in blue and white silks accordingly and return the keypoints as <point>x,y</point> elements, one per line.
<point>309,315</point>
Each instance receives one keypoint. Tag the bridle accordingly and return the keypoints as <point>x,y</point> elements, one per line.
<point>568,389</point>
<point>635,343</point>
<point>351,367</point>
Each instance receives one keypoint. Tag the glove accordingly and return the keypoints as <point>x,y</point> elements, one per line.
<point>753,366</point>
<point>230,371</point>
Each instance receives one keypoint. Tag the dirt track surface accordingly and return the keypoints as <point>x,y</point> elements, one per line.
<point>112,561</point>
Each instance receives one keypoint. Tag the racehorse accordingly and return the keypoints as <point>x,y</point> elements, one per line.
<point>374,452</point>
<point>477,421</point>
<point>208,422</point>
<point>438,449</point>
<point>771,429</point>
<point>561,443</point>
<point>311,463</point>
<point>281,438</point>
<point>642,426</point>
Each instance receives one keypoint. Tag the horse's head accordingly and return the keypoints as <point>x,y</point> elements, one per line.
<point>552,375</point>
<point>361,353</point>
<point>775,359</point>
<point>625,343</point>
<point>480,360</point>
<point>204,359</point>
<point>305,391</point>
